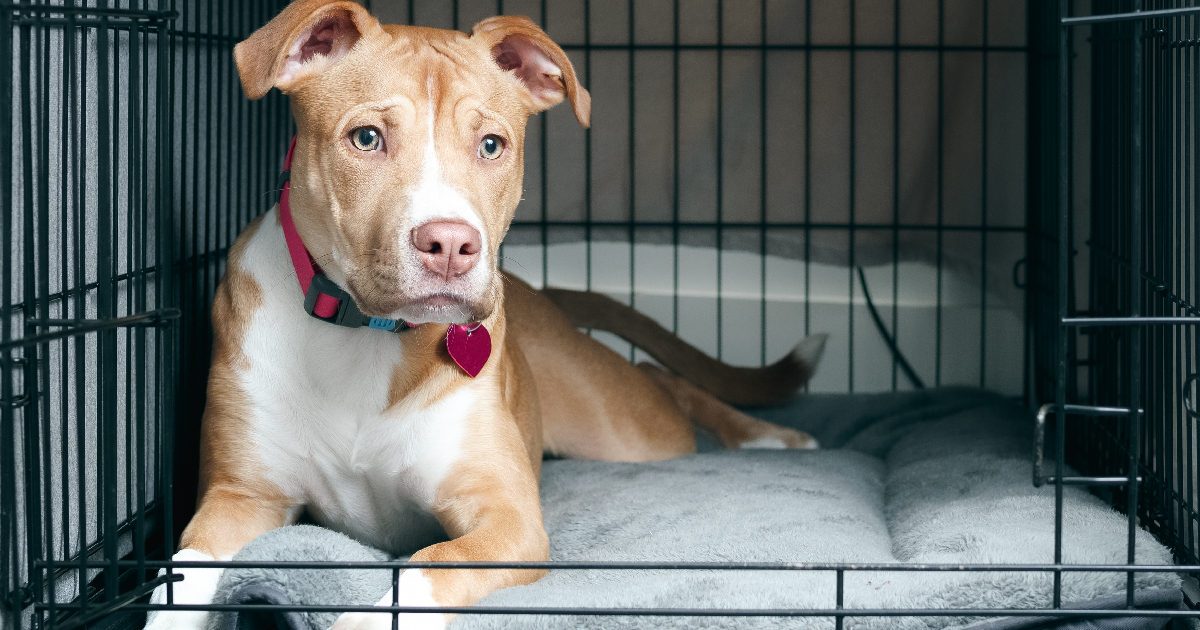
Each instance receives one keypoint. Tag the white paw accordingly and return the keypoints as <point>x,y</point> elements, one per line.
<point>383,621</point>
<point>764,442</point>
<point>771,436</point>
<point>415,590</point>
<point>366,621</point>
<point>198,587</point>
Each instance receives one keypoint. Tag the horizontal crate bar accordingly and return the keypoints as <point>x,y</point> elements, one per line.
<point>210,38</point>
<point>108,608</point>
<point>1130,321</point>
<point>819,47</point>
<point>1183,43</point>
<point>783,226</point>
<point>137,274</point>
<point>666,612</point>
<point>55,323</point>
<point>65,566</point>
<point>1125,17</point>
<point>1093,410</point>
<point>116,23</point>
<point>24,10</point>
<point>620,565</point>
<point>93,325</point>
<point>1092,481</point>
<point>1039,444</point>
<point>1156,285</point>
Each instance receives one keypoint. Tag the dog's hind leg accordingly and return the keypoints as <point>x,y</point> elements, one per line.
<point>733,428</point>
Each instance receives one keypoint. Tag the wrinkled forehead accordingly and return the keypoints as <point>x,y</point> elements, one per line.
<point>412,65</point>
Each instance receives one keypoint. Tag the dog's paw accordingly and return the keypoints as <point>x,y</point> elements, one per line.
<point>197,587</point>
<point>415,590</point>
<point>777,437</point>
<point>177,620</point>
<point>363,621</point>
<point>383,621</point>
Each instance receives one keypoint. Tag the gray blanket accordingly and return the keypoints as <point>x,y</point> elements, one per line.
<point>923,477</point>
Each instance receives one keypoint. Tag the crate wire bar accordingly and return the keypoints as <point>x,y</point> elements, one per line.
<point>90,277</point>
<point>759,218</point>
<point>116,218</point>
<point>1129,357</point>
<point>129,161</point>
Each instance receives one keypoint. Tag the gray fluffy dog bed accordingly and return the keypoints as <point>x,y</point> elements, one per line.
<point>939,477</point>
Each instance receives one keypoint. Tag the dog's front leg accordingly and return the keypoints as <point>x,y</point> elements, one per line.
<point>491,510</point>
<point>226,520</point>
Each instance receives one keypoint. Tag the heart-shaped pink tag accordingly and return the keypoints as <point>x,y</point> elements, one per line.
<point>469,346</point>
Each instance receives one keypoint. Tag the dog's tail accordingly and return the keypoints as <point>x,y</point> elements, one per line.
<point>767,385</point>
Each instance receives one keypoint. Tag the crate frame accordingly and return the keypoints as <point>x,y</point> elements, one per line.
<point>1092,415</point>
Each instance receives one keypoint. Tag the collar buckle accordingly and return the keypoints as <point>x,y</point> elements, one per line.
<point>347,313</point>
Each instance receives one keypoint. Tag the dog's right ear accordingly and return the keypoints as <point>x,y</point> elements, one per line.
<point>519,45</point>
<point>305,39</point>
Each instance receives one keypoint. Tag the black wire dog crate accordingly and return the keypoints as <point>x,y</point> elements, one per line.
<point>992,193</point>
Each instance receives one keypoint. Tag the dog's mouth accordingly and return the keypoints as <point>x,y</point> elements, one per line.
<point>420,298</point>
<point>442,308</point>
<point>435,302</point>
<point>445,307</point>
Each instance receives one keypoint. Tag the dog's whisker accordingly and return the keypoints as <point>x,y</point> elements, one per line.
<point>523,287</point>
<point>515,261</point>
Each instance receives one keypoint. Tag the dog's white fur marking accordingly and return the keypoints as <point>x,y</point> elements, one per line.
<point>764,443</point>
<point>810,349</point>
<point>197,587</point>
<point>322,426</point>
<point>415,590</point>
<point>434,199</point>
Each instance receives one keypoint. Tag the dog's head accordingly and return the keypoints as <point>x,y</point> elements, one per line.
<point>410,147</point>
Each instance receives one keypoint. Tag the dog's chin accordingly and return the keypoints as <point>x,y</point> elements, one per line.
<point>442,309</point>
<point>444,306</point>
<point>440,303</point>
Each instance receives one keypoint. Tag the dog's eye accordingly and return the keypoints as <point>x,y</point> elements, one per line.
<point>366,138</point>
<point>491,146</point>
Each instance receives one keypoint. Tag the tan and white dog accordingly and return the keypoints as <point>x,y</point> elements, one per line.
<point>407,170</point>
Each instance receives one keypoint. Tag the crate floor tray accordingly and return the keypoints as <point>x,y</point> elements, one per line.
<point>925,477</point>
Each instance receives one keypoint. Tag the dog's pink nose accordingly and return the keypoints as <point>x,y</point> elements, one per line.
<point>447,248</point>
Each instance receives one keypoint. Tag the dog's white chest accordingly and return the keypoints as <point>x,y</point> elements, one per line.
<point>322,425</point>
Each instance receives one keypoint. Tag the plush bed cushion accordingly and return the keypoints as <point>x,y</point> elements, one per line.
<point>940,477</point>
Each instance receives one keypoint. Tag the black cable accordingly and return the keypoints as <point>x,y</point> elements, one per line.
<point>900,360</point>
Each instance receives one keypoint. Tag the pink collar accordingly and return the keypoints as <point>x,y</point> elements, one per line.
<point>323,299</point>
<point>468,346</point>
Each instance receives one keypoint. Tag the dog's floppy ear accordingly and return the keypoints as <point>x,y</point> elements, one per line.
<point>519,45</point>
<point>307,37</point>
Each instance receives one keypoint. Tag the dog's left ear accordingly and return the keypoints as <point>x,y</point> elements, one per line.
<point>305,39</point>
<point>519,45</point>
